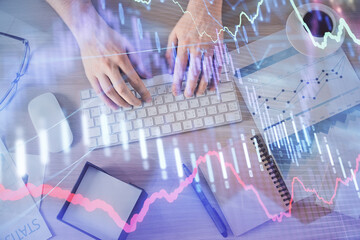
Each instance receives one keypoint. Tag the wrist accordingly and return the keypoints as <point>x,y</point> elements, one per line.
<point>199,8</point>
<point>84,21</point>
<point>79,15</point>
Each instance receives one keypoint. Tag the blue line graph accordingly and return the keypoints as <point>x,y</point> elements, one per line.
<point>299,93</point>
<point>286,86</point>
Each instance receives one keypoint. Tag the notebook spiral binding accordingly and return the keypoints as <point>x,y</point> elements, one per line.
<point>271,167</point>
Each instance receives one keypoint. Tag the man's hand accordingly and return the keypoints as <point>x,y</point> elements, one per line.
<point>104,54</point>
<point>196,50</point>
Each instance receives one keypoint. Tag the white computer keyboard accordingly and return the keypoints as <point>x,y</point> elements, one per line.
<point>165,115</point>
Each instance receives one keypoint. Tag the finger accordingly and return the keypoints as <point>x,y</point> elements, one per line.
<point>219,58</point>
<point>110,91</point>
<point>193,73</point>
<point>179,70</point>
<point>216,72</point>
<point>205,76</point>
<point>136,59</point>
<point>98,90</point>
<point>214,79</point>
<point>120,87</point>
<point>171,50</point>
<point>135,81</point>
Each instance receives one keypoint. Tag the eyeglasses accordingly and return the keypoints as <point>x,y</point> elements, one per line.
<point>10,93</point>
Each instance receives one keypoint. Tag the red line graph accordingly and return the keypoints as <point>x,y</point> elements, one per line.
<point>91,205</point>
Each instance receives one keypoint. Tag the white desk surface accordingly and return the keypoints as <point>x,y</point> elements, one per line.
<point>56,66</point>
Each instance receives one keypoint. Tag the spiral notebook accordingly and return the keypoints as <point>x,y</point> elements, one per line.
<point>257,195</point>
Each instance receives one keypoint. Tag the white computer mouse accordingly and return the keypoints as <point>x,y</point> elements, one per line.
<point>49,120</point>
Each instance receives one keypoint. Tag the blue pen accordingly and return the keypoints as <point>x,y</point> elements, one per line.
<point>211,211</point>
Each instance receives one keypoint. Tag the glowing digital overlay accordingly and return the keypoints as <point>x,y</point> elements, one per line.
<point>91,205</point>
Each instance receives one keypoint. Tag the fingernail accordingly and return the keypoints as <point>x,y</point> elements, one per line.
<point>113,107</point>
<point>176,93</point>
<point>188,93</point>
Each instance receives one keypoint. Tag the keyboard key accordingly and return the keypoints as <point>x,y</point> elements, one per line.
<point>146,132</point>
<point>127,108</point>
<point>211,110</point>
<point>90,122</point>
<point>155,131</point>
<point>128,126</point>
<point>228,97</point>
<point>233,116</point>
<point>138,123</point>
<point>187,125</point>
<point>173,107</point>
<point>194,103</point>
<point>200,112</point>
<point>180,116</point>
<point>169,118</point>
<point>97,121</point>
<point>158,100</point>
<point>92,102</point>
<point>110,119</point>
<point>93,143</point>
<point>159,120</point>
<point>130,115</point>
<point>138,107</point>
<point>141,113</point>
<point>179,97</point>
<point>176,127</point>
<point>225,87</point>
<point>115,128</point>
<point>148,104</point>
<point>105,110</point>
<point>161,89</point>
<point>148,122</point>
<point>86,113</point>
<point>93,93</point>
<point>94,132</point>
<point>210,93</point>
<point>85,94</point>
<point>190,114</point>
<point>168,88</point>
<point>233,106</point>
<point>209,121</point>
<point>152,91</point>
<point>214,99</point>
<point>219,119</point>
<point>198,123</point>
<point>95,112</point>
<point>168,98</point>
<point>120,116</point>
<point>152,111</point>
<point>114,139</point>
<point>162,109</point>
<point>183,105</point>
<point>100,141</point>
<point>165,129</point>
<point>134,135</point>
<point>204,101</point>
<point>222,108</point>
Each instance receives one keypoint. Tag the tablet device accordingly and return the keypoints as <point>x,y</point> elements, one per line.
<point>95,184</point>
